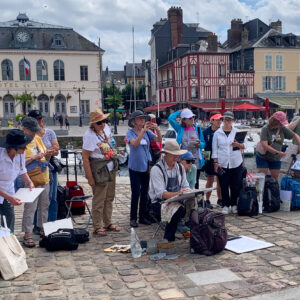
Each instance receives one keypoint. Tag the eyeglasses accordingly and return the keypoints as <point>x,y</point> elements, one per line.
<point>190,161</point>
<point>228,119</point>
<point>100,122</point>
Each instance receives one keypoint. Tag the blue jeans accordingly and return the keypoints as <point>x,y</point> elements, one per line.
<point>262,163</point>
<point>52,213</point>
<point>7,210</point>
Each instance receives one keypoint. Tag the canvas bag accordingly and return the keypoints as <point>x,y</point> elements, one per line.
<point>12,256</point>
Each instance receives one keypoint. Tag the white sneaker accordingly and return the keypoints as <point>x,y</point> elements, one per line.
<point>234,209</point>
<point>225,210</point>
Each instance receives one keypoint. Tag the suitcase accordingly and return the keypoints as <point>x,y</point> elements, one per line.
<point>289,183</point>
<point>72,188</point>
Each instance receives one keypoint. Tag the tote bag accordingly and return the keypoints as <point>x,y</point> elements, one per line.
<point>12,257</point>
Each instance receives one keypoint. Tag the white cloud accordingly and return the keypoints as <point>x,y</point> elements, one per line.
<point>112,20</point>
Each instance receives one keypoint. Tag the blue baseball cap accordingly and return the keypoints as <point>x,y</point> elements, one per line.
<point>187,155</point>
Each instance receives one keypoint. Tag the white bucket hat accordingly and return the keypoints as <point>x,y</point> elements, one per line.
<point>172,147</point>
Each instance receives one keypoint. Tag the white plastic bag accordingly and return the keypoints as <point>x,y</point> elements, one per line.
<point>12,257</point>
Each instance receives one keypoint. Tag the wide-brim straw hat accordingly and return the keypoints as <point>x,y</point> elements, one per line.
<point>172,147</point>
<point>97,115</point>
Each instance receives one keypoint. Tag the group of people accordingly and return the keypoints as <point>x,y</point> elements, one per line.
<point>26,162</point>
<point>156,173</point>
<point>61,120</point>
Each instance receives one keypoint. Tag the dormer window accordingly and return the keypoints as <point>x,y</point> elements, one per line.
<point>278,41</point>
<point>58,42</point>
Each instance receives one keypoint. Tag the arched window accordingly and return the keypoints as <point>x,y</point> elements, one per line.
<point>41,70</point>
<point>59,70</point>
<point>7,69</point>
<point>24,69</point>
<point>60,104</point>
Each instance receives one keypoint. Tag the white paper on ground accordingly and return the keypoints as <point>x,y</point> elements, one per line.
<point>246,244</point>
<point>51,227</point>
<point>28,196</point>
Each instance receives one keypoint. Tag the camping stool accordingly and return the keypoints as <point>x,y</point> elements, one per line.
<point>79,199</point>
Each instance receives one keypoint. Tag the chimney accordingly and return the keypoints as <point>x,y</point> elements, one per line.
<point>236,32</point>
<point>212,42</point>
<point>143,63</point>
<point>277,26</point>
<point>244,37</point>
<point>175,19</point>
<point>106,71</point>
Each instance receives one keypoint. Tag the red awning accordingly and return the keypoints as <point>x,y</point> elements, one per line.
<point>211,106</point>
<point>162,107</point>
<point>248,107</point>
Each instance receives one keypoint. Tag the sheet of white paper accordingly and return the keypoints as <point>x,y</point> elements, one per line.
<point>51,227</point>
<point>246,244</point>
<point>291,149</point>
<point>26,195</point>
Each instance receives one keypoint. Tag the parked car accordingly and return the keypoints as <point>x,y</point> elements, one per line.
<point>170,134</point>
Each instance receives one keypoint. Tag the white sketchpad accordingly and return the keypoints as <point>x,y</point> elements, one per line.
<point>244,244</point>
<point>28,196</point>
<point>51,227</point>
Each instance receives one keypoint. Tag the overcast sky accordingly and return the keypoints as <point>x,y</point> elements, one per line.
<point>112,20</point>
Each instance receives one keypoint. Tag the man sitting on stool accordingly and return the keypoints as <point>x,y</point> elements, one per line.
<point>168,179</point>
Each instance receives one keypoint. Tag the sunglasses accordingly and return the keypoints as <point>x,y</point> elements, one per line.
<point>101,122</point>
<point>190,161</point>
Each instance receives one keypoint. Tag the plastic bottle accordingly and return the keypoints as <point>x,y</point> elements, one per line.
<point>136,249</point>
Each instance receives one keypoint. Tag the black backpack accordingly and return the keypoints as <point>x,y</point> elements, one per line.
<point>247,203</point>
<point>208,232</point>
<point>62,239</point>
<point>271,199</point>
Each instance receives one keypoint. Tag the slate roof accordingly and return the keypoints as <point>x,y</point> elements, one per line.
<point>139,70</point>
<point>113,75</point>
<point>42,35</point>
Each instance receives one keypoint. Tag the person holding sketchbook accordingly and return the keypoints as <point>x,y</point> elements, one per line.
<point>228,162</point>
<point>12,148</point>
<point>168,179</point>
<point>36,158</point>
<point>269,149</point>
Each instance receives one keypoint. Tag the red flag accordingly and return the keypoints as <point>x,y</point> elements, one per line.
<point>26,66</point>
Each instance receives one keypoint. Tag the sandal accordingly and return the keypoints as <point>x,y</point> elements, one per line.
<point>28,242</point>
<point>112,227</point>
<point>100,232</point>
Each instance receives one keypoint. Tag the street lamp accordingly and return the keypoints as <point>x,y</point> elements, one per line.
<point>114,100</point>
<point>79,90</point>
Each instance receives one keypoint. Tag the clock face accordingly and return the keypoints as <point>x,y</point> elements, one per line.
<point>22,36</point>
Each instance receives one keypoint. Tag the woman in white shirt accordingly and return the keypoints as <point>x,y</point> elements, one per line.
<point>228,160</point>
<point>100,166</point>
<point>12,165</point>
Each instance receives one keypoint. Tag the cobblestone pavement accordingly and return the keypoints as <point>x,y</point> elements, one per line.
<point>89,273</point>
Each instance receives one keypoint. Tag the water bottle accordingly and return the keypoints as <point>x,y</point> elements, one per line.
<point>136,249</point>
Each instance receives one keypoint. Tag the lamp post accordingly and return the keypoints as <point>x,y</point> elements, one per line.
<point>79,91</point>
<point>114,101</point>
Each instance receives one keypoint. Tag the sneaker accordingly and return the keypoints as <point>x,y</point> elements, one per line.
<point>208,204</point>
<point>234,209</point>
<point>220,203</point>
<point>225,210</point>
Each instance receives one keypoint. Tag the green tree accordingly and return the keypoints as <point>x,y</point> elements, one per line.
<point>141,92</point>
<point>24,99</point>
<point>110,93</point>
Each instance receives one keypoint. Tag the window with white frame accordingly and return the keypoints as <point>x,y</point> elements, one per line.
<point>278,62</point>
<point>268,62</point>
<point>193,70</point>
<point>273,83</point>
<point>222,91</point>
<point>243,91</point>
<point>194,92</point>
<point>279,83</point>
<point>222,70</point>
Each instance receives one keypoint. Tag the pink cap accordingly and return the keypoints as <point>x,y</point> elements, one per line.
<point>281,117</point>
<point>216,117</point>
